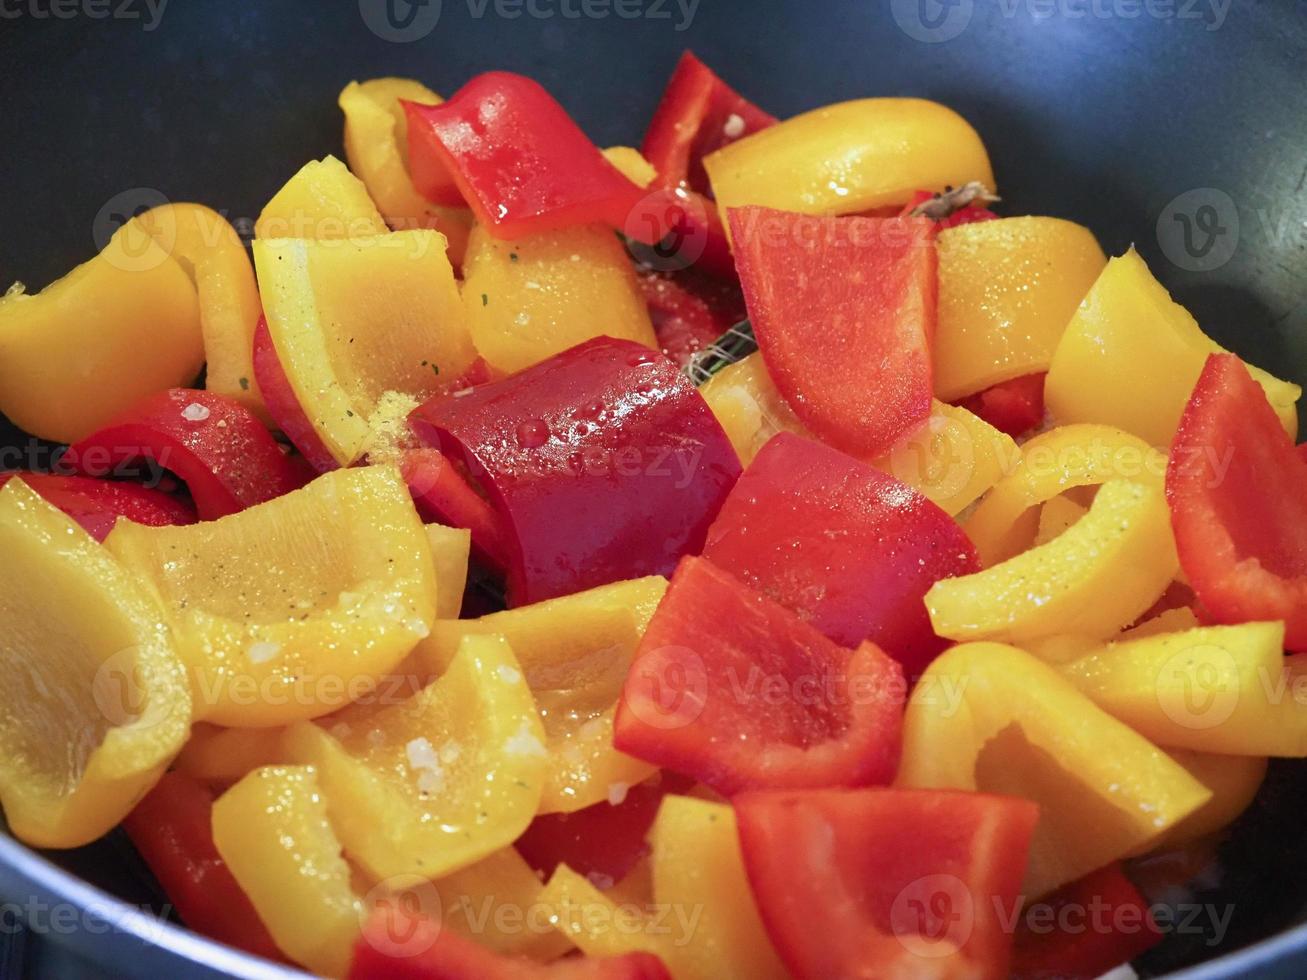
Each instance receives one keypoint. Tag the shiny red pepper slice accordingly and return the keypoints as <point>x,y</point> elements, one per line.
<point>1084,929</point>
<point>851,549</point>
<point>171,828</point>
<point>398,944</point>
<point>97,504</point>
<point>1237,489</point>
<point>442,495</point>
<point>689,310</point>
<point>283,406</point>
<point>603,463</point>
<point>215,445</point>
<point>844,313</point>
<point>738,692</point>
<point>887,882</point>
<point>519,161</point>
<point>697,114</point>
<point>1014,407</point>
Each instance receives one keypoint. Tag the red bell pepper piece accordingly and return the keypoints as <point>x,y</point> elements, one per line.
<point>603,463</point>
<point>738,692</point>
<point>97,504</point>
<point>973,212</point>
<point>443,496</point>
<point>1014,407</point>
<point>887,883</point>
<point>398,944</point>
<point>1237,488</point>
<point>689,311</point>
<point>844,313</point>
<point>279,398</point>
<point>1084,929</point>
<point>698,113</point>
<point>171,828</point>
<point>851,549</point>
<point>215,445</point>
<point>519,161</point>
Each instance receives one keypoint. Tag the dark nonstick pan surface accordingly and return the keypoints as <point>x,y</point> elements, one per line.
<point>1175,125</point>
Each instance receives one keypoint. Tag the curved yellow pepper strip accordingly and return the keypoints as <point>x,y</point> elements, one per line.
<point>601,924</point>
<point>272,831</point>
<point>1006,291</point>
<point>1233,781</point>
<point>295,607</point>
<point>95,701</point>
<point>993,718</point>
<point>437,781</point>
<point>224,755</point>
<point>575,651</point>
<point>1056,516</point>
<point>1220,689</point>
<point>322,201</point>
<point>353,320</point>
<point>450,548</point>
<point>376,148</point>
<point>633,166</point>
<point>1005,523</point>
<point>71,356</point>
<point>1095,578</point>
<point>849,157</point>
<point>211,252</point>
<point>1131,355</point>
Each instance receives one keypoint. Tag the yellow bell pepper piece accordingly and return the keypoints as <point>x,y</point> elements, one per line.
<point>272,831</point>
<point>746,402</point>
<point>697,864</point>
<point>849,157</point>
<point>604,924</point>
<point>575,651</point>
<point>354,320</point>
<point>95,701</point>
<point>376,148</point>
<point>1006,291</point>
<point>295,607</point>
<point>1233,781</point>
<point>530,299</point>
<point>1219,689</point>
<point>1096,577</point>
<point>450,547</point>
<point>1070,456</point>
<point>1131,355</point>
<point>1001,721</point>
<point>632,165</point>
<point>440,780</point>
<point>70,356</point>
<point>212,254</point>
<point>323,201</point>
<point>223,755</point>
<point>1056,516</point>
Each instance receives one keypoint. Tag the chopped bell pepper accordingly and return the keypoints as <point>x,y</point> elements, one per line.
<point>697,114</point>
<point>1056,516</point>
<point>1006,291</point>
<point>215,445</point>
<point>1238,495</point>
<point>603,462</point>
<point>222,756</point>
<point>441,493</point>
<point>437,781</point>
<point>536,296</point>
<point>1233,781</point>
<point>1131,355</point>
<point>887,883</point>
<point>376,147</point>
<point>1014,407</point>
<point>633,166</point>
<point>213,255</point>
<point>575,651</point>
<point>282,404</point>
<point>450,547</point>
<point>95,703</point>
<point>1093,579</point>
<point>601,925</point>
<point>1216,689</point>
<point>994,718</point>
<point>322,201</point>
<point>689,310</point>
<point>952,206</point>
<point>97,504</point>
<point>849,548</point>
<point>849,158</point>
<point>70,356</point>
<point>517,158</point>
<point>352,320</point>
<point>844,313</point>
<point>295,607</point>
<point>171,827</point>
<point>272,831</point>
<point>1006,521</point>
<point>735,690</point>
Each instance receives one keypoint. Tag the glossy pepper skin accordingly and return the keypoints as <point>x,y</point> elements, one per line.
<point>97,504</point>
<point>604,463</point>
<point>849,548</point>
<point>215,445</point>
<point>1241,533</point>
<point>1013,407</point>
<point>282,404</point>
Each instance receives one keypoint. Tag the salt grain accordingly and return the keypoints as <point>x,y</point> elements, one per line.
<point>262,652</point>
<point>195,412</point>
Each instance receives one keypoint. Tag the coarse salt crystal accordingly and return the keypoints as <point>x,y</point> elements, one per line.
<point>423,759</point>
<point>509,675</point>
<point>617,793</point>
<point>524,743</point>
<point>262,652</point>
<point>734,126</point>
<point>195,412</point>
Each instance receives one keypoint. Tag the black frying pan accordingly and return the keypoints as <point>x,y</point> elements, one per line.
<point>1177,125</point>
